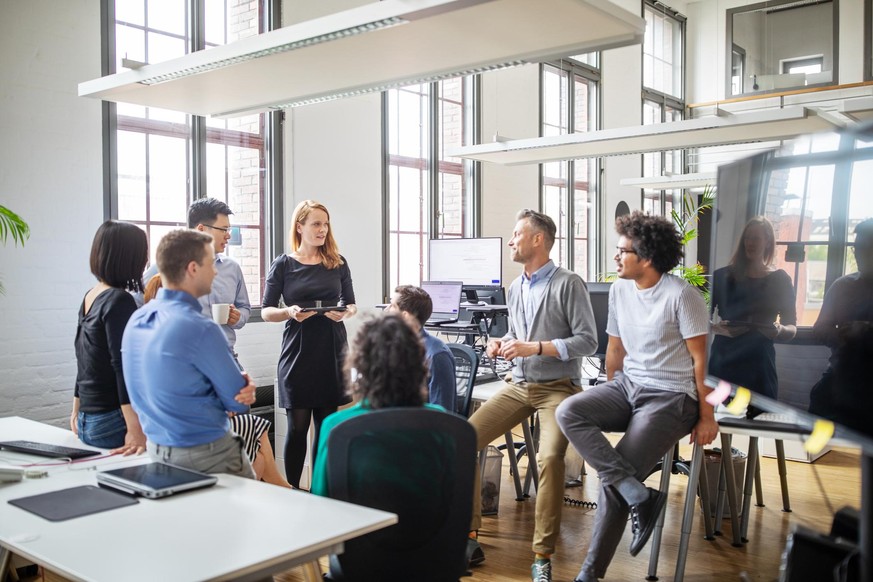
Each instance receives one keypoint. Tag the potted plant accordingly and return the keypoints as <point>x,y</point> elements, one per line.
<point>14,225</point>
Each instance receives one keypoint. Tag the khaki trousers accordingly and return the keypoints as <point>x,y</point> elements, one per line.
<point>514,403</point>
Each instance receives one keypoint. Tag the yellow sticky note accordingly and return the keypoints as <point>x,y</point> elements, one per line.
<point>740,402</point>
<point>822,431</point>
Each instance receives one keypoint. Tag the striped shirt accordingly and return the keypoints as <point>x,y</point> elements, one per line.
<point>653,325</point>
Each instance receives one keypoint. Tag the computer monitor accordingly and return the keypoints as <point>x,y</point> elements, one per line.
<point>599,293</point>
<point>487,294</point>
<point>473,261</point>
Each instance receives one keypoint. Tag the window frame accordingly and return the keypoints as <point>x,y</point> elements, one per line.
<point>682,21</point>
<point>837,243</point>
<point>664,102</point>
<point>199,134</point>
<point>835,36</point>
<point>571,69</point>
<point>470,174</point>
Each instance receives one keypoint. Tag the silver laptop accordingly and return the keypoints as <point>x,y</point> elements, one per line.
<point>154,480</point>
<point>446,297</point>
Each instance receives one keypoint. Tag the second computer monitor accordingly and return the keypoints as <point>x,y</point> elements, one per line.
<point>487,294</point>
<point>599,293</point>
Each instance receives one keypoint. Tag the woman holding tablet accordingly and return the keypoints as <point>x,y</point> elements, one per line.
<point>310,280</point>
<point>750,294</point>
<point>102,415</point>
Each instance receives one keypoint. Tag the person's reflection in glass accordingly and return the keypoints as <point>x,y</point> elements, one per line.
<point>749,296</point>
<point>845,324</point>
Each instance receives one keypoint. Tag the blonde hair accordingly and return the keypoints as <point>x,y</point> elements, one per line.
<point>740,261</point>
<point>151,288</point>
<point>330,256</point>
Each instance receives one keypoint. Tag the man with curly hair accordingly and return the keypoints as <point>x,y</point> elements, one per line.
<point>655,365</point>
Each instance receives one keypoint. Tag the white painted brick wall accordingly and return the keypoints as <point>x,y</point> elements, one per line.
<point>51,174</point>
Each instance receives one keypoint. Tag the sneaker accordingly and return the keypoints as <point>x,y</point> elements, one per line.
<point>643,518</point>
<point>541,571</point>
<point>475,555</point>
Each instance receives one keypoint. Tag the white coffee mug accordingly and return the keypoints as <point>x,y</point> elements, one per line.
<point>220,313</point>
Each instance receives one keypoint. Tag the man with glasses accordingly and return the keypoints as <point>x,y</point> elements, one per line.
<point>213,217</point>
<point>655,366</point>
<point>551,328</point>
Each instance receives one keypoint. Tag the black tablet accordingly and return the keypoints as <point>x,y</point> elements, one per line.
<point>323,309</point>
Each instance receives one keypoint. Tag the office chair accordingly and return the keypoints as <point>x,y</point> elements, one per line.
<point>466,366</point>
<point>419,464</point>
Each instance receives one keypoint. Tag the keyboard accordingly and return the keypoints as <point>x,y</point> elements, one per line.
<point>47,450</point>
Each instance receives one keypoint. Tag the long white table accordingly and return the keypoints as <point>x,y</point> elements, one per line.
<point>239,529</point>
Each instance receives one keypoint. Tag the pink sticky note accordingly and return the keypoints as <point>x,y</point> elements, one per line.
<point>720,394</point>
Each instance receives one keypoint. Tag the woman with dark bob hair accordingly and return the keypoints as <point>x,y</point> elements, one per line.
<point>102,415</point>
<point>385,369</point>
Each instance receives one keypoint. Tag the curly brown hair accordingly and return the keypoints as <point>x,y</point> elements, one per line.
<point>653,238</point>
<point>386,365</point>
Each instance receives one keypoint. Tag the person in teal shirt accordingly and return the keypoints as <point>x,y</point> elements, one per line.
<point>385,369</point>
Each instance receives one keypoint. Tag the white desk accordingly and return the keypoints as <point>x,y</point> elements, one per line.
<point>239,529</point>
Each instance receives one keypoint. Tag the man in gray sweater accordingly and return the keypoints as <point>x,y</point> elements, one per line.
<point>551,328</point>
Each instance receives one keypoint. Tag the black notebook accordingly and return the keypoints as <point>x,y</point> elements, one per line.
<point>74,502</point>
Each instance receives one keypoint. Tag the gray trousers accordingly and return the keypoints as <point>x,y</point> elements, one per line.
<point>225,455</point>
<point>652,421</point>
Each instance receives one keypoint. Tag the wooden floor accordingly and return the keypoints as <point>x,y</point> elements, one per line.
<point>506,538</point>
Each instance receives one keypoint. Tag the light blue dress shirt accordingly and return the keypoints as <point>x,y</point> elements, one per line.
<point>227,287</point>
<point>532,290</point>
<point>180,373</point>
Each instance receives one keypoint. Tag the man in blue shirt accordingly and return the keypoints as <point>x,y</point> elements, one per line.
<point>213,217</point>
<point>181,375</point>
<point>416,306</point>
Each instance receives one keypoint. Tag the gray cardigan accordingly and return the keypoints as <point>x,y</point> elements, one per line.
<point>563,313</point>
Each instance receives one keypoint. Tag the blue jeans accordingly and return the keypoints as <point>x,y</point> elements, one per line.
<point>105,430</point>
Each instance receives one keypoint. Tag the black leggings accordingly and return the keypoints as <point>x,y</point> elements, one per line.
<point>295,440</point>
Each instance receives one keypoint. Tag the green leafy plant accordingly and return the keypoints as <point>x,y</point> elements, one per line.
<point>686,219</point>
<point>12,225</point>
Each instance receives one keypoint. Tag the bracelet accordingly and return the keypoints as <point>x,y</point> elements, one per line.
<point>540,350</point>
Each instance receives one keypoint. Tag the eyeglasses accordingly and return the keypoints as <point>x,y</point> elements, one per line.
<point>622,252</point>
<point>224,230</point>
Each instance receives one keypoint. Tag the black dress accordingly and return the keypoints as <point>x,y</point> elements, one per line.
<point>311,362</point>
<point>750,359</point>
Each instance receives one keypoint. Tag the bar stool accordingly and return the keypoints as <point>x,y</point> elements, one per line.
<point>696,476</point>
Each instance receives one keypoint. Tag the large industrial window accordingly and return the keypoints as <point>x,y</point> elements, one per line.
<point>816,192</point>
<point>569,104</point>
<point>428,194</point>
<point>158,161</point>
<point>663,97</point>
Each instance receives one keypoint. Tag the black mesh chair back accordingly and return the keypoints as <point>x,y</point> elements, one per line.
<point>417,463</point>
<point>466,365</point>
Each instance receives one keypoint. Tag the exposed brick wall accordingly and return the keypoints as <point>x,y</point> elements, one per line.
<point>51,174</point>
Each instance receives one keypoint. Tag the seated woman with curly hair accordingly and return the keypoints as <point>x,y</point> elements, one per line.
<point>384,369</point>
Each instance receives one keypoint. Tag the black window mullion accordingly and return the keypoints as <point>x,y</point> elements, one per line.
<point>838,231</point>
<point>569,235</point>
<point>434,192</point>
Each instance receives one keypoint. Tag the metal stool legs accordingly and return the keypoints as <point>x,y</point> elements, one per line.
<point>697,478</point>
